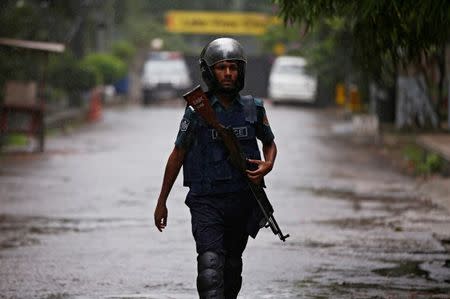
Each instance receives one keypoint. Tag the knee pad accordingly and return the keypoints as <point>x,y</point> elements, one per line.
<point>210,275</point>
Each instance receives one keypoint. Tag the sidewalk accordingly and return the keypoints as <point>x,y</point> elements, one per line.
<point>435,188</point>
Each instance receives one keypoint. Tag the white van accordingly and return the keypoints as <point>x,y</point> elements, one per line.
<point>165,75</point>
<point>289,83</point>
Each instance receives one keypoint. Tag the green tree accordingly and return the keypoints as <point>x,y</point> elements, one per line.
<point>384,34</point>
<point>123,50</point>
<point>110,67</point>
<point>402,29</point>
<point>69,74</point>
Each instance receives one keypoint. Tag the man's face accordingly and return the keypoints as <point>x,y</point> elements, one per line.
<point>226,73</point>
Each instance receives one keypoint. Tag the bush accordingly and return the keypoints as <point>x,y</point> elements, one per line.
<point>66,73</point>
<point>124,51</point>
<point>108,66</point>
<point>422,162</point>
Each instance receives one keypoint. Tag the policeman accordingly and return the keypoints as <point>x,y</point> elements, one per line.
<point>223,211</point>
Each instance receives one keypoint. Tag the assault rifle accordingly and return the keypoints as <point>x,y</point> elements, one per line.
<point>198,100</point>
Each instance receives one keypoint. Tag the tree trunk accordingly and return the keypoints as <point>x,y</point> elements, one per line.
<point>442,75</point>
<point>414,105</point>
<point>447,60</point>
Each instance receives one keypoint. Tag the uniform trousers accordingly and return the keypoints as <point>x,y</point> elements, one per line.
<point>219,224</point>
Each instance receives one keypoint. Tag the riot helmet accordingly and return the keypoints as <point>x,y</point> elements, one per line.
<point>218,50</point>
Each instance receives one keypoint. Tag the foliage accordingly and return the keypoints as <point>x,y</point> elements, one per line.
<point>16,139</point>
<point>288,36</point>
<point>400,29</point>
<point>19,20</point>
<point>123,50</point>
<point>422,162</point>
<point>17,64</point>
<point>108,66</point>
<point>67,73</point>
<point>328,49</point>
<point>382,36</point>
<point>141,30</point>
<point>38,19</point>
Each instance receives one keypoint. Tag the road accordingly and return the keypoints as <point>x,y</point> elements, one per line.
<point>76,221</point>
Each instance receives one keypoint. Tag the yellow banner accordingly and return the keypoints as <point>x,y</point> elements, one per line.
<point>202,22</point>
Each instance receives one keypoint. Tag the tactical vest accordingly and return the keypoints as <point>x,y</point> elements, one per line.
<point>206,167</point>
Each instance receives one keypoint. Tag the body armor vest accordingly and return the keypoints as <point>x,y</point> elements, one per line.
<point>206,167</point>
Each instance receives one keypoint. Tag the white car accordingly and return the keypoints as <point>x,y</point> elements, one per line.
<point>164,76</point>
<point>289,83</point>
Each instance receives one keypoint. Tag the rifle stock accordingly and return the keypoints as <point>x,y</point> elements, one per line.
<point>199,101</point>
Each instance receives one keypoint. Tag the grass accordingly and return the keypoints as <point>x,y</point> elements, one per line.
<point>403,152</point>
<point>422,162</point>
<point>16,140</point>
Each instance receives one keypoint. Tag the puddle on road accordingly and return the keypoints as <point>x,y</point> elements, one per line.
<point>59,296</point>
<point>312,288</point>
<point>132,198</point>
<point>389,200</point>
<point>397,232</point>
<point>30,155</point>
<point>316,244</point>
<point>19,240</point>
<point>18,231</point>
<point>160,291</point>
<point>159,295</point>
<point>356,223</point>
<point>416,214</point>
<point>386,196</point>
<point>435,270</point>
<point>404,269</point>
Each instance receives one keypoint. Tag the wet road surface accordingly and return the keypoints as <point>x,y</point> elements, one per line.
<point>76,221</point>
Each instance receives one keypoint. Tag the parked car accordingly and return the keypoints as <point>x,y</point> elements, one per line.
<point>289,82</point>
<point>165,75</point>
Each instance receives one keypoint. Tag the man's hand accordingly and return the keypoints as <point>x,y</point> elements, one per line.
<point>173,166</point>
<point>264,167</point>
<point>160,216</point>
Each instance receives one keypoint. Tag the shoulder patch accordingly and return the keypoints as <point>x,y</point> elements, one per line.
<point>259,102</point>
<point>184,125</point>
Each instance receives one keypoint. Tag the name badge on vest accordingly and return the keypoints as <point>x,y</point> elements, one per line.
<point>240,132</point>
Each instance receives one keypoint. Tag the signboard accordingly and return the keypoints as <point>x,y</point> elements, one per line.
<point>203,22</point>
<point>20,93</point>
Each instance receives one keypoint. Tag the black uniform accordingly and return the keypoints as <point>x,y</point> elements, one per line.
<point>220,202</point>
